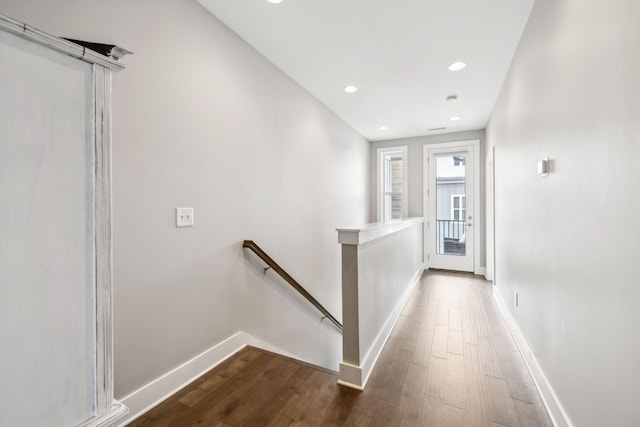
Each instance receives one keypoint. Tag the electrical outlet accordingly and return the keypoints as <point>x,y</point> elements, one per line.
<point>184,217</point>
<point>515,298</point>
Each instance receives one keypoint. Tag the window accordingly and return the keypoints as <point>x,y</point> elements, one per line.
<point>458,160</point>
<point>458,207</point>
<point>392,183</point>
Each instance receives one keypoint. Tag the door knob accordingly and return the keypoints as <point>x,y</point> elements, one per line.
<point>468,224</point>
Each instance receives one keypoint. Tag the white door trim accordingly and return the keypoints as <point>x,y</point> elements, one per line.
<point>474,146</point>
<point>490,225</point>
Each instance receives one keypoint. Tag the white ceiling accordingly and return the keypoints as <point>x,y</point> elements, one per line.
<point>395,52</point>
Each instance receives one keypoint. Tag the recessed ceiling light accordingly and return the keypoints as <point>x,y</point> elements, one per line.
<point>452,98</point>
<point>455,118</point>
<point>275,1</point>
<point>457,66</point>
<point>383,128</point>
<point>350,89</point>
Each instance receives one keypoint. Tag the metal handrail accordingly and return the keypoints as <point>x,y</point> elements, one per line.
<point>250,244</point>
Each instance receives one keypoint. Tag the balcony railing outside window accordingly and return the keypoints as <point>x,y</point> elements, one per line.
<point>450,237</point>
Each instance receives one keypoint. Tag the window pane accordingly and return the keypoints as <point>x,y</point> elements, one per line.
<point>395,172</point>
<point>450,204</point>
<point>396,206</point>
<point>458,160</point>
<point>393,194</point>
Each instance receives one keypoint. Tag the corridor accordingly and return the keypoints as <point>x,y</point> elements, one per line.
<point>450,361</point>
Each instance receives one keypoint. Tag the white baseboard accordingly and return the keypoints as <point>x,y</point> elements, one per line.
<point>109,418</point>
<point>481,271</point>
<point>351,376</point>
<point>558,415</point>
<point>357,376</point>
<point>149,395</point>
<point>158,390</point>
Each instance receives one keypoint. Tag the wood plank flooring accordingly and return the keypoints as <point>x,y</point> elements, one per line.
<point>450,361</point>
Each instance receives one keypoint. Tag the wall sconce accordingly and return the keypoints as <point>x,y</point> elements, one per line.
<point>543,167</point>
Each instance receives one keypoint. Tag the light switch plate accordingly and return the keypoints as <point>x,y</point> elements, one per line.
<point>184,217</point>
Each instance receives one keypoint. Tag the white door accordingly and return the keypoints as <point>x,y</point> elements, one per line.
<point>450,196</point>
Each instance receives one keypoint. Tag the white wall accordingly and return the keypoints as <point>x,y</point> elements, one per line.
<point>568,242</point>
<point>386,268</point>
<point>415,171</point>
<point>202,120</point>
<point>47,229</point>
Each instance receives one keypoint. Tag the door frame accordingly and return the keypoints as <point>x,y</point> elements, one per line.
<point>474,146</point>
<point>490,227</point>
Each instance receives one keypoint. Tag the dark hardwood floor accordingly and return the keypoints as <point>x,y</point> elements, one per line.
<point>450,361</point>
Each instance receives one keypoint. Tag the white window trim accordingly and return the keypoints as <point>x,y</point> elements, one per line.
<point>461,196</point>
<point>380,180</point>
